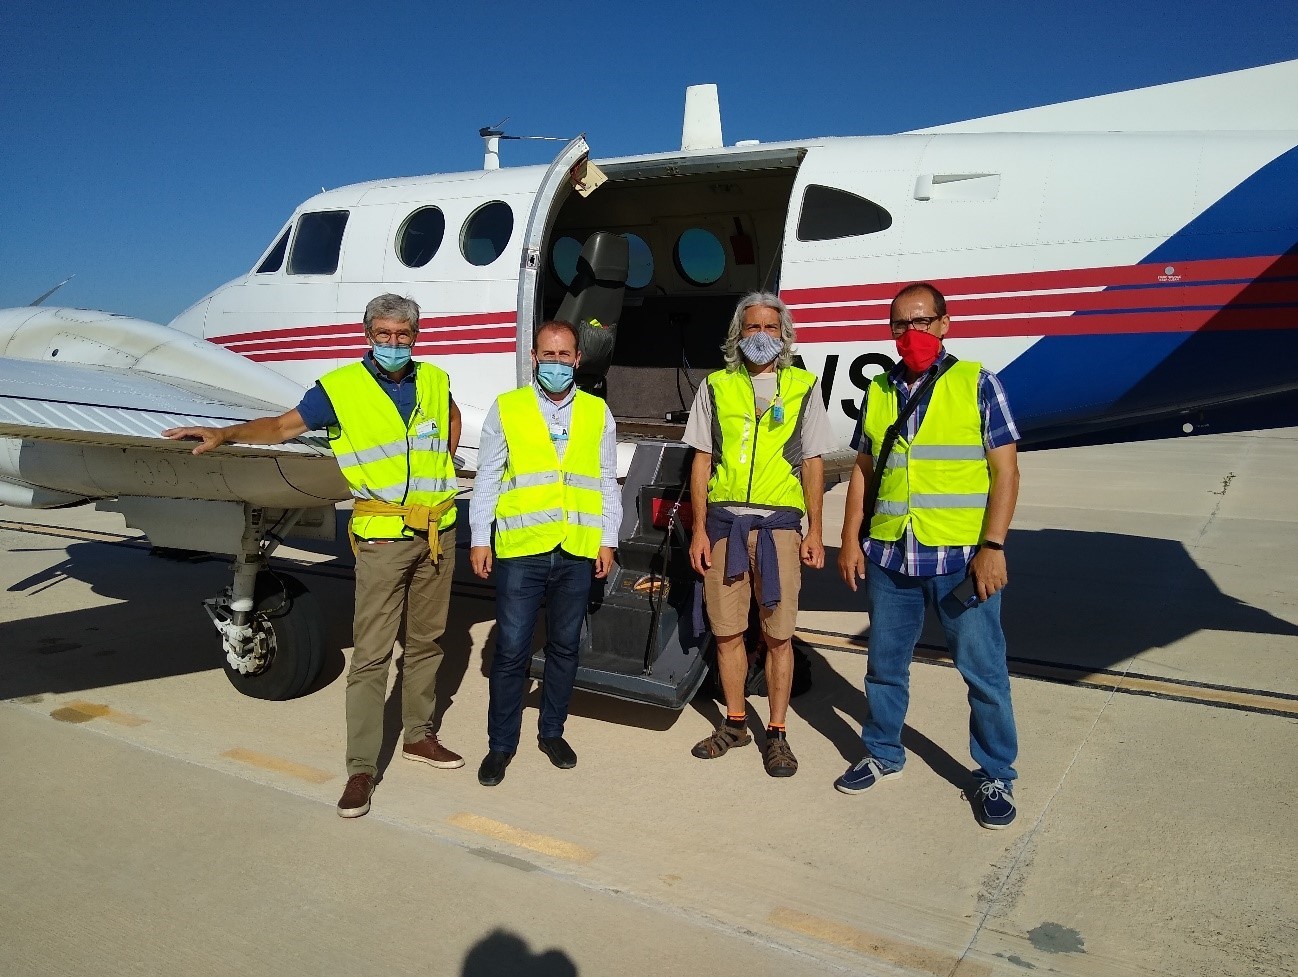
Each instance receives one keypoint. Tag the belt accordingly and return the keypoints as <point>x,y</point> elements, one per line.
<point>420,518</point>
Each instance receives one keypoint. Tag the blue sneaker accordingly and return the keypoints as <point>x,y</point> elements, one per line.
<point>865,775</point>
<point>993,804</point>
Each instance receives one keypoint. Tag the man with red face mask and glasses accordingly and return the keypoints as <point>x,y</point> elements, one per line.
<point>935,537</point>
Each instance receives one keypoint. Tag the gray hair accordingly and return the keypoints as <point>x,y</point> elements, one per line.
<point>769,300</point>
<point>389,306</point>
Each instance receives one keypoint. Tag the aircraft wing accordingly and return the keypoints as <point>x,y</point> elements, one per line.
<point>100,405</point>
<point>70,432</point>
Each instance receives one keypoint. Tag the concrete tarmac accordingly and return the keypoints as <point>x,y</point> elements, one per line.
<point>158,823</point>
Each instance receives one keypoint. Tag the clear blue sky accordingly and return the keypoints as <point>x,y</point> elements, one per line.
<point>153,148</point>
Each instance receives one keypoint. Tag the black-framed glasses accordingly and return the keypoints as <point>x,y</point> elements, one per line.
<point>918,322</point>
<point>385,338</point>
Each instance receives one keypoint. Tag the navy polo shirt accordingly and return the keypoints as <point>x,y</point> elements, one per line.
<point>318,411</point>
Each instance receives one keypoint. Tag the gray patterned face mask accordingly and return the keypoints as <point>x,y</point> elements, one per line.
<point>760,348</point>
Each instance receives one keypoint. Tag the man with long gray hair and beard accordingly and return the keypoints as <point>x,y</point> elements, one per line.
<point>759,430</point>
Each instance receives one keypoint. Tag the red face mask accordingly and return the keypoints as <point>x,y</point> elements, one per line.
<point>918,349</point>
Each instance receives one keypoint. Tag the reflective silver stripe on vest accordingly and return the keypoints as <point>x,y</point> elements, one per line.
<point>896,459</point>
<point>941,500</point>
<point>530,480</point>
<point>428,444</point>
<point>584,519</point>
<point>528,520</point>
<point>948,452</point>
<point>885,508</point>
<point>380,452</point>
<point>581,481</point>
<point>386,493</point>
<point>432,485</point>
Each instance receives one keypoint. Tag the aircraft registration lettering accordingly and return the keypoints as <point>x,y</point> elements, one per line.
<point>856,374</point>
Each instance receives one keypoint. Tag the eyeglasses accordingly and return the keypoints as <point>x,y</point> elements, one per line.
<point>385,338</point>
<point>899,326</point>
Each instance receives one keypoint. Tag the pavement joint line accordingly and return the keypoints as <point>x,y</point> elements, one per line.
<point>264,761</point>
<point>1260,701</point>
<point>522,838</point>
<point>1026,842</point>
<point>898,953</point>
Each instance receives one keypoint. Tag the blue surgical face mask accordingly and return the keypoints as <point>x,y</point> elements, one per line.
<point>760,348</point>
<point>554,377</point>
<point>392,358</point>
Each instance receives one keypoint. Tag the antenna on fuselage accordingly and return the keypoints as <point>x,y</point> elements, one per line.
<point>46,295</point>
<point>491,136</point>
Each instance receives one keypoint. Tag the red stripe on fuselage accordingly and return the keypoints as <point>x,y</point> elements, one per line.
<point>1153,274</point>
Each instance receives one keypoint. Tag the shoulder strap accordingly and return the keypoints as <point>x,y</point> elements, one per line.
<point>890,437</point>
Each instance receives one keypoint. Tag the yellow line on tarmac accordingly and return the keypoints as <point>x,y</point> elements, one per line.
<point>900,953</point>
<point>499,831</point>
<point>82,712</point>
<point>279,765</point>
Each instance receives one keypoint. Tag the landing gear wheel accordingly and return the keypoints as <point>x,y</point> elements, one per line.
<point>288,615</point>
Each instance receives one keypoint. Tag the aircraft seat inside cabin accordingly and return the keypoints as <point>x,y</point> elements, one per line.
<point>594,305</point>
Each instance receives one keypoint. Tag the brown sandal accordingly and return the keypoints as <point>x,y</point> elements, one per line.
<point>778,758</point>
<point>722,739</point>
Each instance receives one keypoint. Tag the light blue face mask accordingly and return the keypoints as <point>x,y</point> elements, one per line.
<point>554,377</point>
<point>392,358</point>
<point>760,348</point>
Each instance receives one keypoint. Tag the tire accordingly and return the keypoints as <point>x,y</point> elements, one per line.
<point>283,606</point>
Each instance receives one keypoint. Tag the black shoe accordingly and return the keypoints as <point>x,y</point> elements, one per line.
<point>558,750</point>
<point>492,769</point>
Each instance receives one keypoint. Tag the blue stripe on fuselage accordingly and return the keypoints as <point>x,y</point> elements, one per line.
<point>1066,380</point>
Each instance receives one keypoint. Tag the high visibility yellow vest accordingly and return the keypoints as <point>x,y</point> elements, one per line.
<point>544,502</point>
<point>385,459</point>
<point>938,483</point>
<point>757,460</point>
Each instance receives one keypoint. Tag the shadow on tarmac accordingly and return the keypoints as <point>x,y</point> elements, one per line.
<point>1085,598</point>
<point>505,954</point>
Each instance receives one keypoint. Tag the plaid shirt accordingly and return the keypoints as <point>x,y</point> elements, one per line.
<point>908,555</point>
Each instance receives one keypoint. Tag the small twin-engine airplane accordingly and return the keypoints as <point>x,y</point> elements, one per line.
<point>1117,258</point>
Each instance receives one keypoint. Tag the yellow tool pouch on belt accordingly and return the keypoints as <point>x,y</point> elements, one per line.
<point>420,518</point>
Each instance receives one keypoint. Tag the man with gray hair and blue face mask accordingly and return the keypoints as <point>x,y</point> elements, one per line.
<point>394,429</point>
<point>759,430</point>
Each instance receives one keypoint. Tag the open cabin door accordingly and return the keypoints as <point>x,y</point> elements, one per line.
<point>550,195</point>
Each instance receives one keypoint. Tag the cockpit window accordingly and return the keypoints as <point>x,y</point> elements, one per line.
<point>829,213</point>
<point>486,233</point>
<point>275,258</point>
<point>420,237</point>
<point>318,243</point>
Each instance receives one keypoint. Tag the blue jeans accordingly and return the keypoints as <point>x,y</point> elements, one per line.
<point>976,643</point>
<point>563,582</point>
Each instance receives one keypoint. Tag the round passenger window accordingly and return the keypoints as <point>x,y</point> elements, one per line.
<point>486,233</point>
<point>640,262</point>
<point>700,258</point>
<point>420,237</point>
<point>563,259</point>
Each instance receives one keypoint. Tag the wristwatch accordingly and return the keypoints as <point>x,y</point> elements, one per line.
<point>991,544</point>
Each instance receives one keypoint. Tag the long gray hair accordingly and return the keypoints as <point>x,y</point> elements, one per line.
<point>769,300</point>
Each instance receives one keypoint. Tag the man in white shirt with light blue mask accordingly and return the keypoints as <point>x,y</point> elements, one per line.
<point>547,482</point>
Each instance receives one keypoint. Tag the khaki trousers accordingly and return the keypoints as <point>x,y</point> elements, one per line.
<point>395,581</point>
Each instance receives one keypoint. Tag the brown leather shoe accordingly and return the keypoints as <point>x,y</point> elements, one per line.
<point>356,796</point>
<point>431,752</point>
